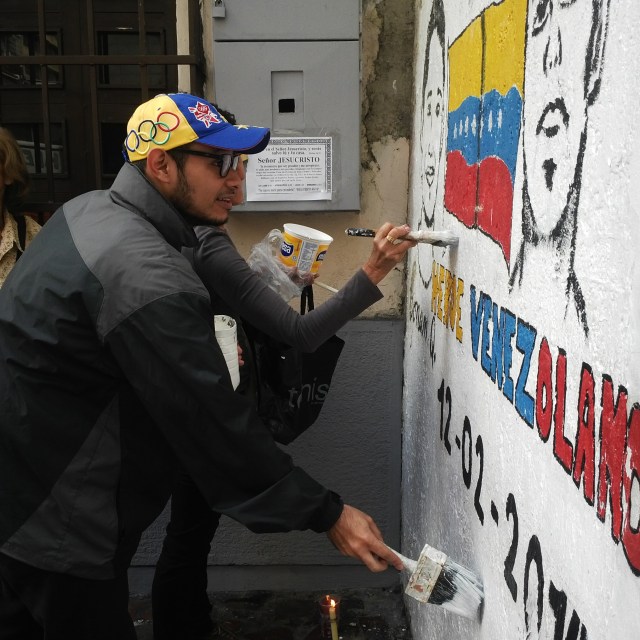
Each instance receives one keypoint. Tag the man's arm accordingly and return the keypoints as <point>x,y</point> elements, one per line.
<point>170,356</point>
<point>167,350</point>
<point>227,275</point>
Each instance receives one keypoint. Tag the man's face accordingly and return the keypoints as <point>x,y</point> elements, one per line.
<point>554,106</point>
<point>433,122</point>
<point>201,192</point>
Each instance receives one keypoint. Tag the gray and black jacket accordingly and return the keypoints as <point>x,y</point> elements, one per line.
<point>111,379</point>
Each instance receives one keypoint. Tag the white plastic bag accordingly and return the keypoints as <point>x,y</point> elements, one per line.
<point>264,260</point>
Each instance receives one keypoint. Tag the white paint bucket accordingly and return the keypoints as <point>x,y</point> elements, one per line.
<point>303,247</point>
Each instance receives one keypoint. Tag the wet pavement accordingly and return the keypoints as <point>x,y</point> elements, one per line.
<point>365,614</point>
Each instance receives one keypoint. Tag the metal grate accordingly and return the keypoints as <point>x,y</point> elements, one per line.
<point>102,82</point>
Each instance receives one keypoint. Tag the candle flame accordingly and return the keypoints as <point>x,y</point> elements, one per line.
<point>333,603</point>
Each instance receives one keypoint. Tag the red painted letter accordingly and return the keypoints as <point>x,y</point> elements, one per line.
<point>544,388</point>
<point>631,530</point>
<point>613,434</point>
<point>585,462</point>
<point>562,448</point>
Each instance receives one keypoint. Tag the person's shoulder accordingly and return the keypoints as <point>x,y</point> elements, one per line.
<point>212,234</point>
<point>32,228</point>
<point>125,251</point>
<point>140,274</point>
<point>23,228</point>
<point>214,244</point>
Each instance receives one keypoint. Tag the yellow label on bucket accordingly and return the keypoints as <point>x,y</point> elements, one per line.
<point>303,247</point>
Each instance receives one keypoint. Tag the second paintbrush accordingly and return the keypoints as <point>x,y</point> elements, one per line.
<point>436,238</point>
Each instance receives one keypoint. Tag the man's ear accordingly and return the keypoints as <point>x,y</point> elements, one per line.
<point>595,50</point>
<point>159,166</point>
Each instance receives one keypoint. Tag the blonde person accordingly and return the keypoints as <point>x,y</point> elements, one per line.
<point>16,230</point>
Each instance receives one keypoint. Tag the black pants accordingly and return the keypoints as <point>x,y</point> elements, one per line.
<point>42,605</point>
<point>179,593</point>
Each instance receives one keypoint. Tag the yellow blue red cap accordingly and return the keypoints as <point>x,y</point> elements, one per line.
<point>174,119</point>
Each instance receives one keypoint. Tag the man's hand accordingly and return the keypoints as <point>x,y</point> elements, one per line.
<point>388,250</point>
<point>355,534</point>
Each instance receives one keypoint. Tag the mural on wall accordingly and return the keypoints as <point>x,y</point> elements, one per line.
<point>485,109</point>
<point>509,389</point>
<point>567,81</point>
<point>432,134</point>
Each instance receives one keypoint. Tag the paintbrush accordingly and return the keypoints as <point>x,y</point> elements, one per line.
<point>437,238</point>
<point>436,579</point>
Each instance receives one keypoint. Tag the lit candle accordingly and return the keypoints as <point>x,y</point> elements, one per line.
<point>334,622</point>
<point>329,606</point>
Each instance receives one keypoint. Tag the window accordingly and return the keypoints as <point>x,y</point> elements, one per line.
<point>30,138</point>
<point>111,137</point>
<point>26,43</point>
<point>125,41</point>
<point>98,68</point>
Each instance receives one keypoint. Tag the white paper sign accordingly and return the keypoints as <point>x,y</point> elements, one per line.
<point>291,169</point>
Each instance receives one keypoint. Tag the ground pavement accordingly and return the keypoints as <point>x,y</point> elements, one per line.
<point>365,614</point>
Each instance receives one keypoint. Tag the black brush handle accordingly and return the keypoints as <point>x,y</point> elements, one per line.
<point>360,233</point>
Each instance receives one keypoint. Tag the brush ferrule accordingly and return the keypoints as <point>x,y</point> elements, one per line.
<point>425,577</point>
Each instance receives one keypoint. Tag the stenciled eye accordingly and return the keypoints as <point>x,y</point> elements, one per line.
<point>438,110</point>
<point>541,13</point>
<point>429,109</point>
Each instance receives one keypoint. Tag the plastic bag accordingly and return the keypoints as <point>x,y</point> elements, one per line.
<point>264,260</point>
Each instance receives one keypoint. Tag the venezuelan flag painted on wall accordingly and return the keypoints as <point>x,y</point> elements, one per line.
<point>486,70</point>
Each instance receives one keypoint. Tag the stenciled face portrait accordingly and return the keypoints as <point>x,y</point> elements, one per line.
<point>432,138</point>
<point>432,142</point>
<point>558,34</point>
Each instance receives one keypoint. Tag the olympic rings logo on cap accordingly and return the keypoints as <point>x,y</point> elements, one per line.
<point>149,132</point>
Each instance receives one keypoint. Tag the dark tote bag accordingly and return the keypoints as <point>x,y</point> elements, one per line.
<point>291,385</point>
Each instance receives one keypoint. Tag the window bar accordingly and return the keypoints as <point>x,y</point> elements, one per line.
<point>44,78</point>
<point>142,35</point>
<point>195,46</point>
<point>80,60</point>
<point>93,89</point>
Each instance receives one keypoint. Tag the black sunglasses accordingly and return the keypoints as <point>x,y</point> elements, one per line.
<point>226,161</point>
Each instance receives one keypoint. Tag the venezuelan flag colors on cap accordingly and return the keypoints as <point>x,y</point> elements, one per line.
<point>175,119</point>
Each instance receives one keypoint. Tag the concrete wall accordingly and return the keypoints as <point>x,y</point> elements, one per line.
<point>355,446</point>
<point>521,454</point>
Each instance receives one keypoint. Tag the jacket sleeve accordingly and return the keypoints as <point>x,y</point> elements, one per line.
<point>227,275</point>
<point>171,358</point>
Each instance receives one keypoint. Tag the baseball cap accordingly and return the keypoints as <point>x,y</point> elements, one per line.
<point>171,120</point>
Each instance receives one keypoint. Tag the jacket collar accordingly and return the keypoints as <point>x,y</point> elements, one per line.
<point>9,234</point>
<point>132,189</point>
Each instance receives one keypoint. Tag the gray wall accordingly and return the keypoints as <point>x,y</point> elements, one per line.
<point>354,449</point>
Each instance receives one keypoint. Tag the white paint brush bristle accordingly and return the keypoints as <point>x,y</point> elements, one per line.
<point>436,579</point>
<point>437,238</point>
